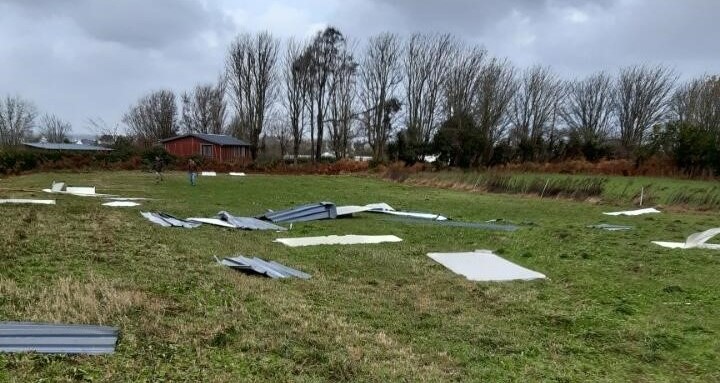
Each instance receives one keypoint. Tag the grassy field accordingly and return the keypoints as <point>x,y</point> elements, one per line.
<point>694,194</point>
<point>615,307</point>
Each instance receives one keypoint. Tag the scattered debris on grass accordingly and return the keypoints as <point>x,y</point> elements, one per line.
<point>228,220</point>
<point>28,201</point>
<point>651,210</point>
<point>208,174</point>
<point>386,209</point>
<point>121,204</point>
<point>610,227</point>
<point>167,220</point>
<point>483,265</point>
<point>257,265</point>
<point>303,213</point>
<point>127,198</point>
<point>338,240</point>
<point>82,191</point>
<point>57,338</point>
<point>694,241</point>
<point>237,174</point>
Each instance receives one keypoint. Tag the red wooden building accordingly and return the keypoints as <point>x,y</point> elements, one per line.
<point>218,147</point>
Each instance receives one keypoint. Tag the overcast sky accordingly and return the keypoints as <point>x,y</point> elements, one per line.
<point>94,58</point>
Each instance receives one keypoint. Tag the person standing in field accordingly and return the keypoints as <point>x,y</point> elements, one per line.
<point>158,168</point>
<point>192,171</point>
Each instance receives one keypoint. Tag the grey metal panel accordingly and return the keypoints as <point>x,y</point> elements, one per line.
<point>57,338</point>
<point>469,225</point>
<point>310,212</point>
<point>248,223</point>
<point>271,269</point>
<point>167,220</point>
<point>54,146</point>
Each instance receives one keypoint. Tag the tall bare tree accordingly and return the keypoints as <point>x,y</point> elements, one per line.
<point>295,80</point>
<point>204,109</point>
<point>698,102</point>
<point>153,117</point>
<point>426,66</point>
<point>494,92</point>
<point>324,54</point>
<point>54,129</point>
<point>17,119</point>
<point>252,80</point>
<point>461,86</point>
<point>641,100</point>
<point>380,74</point>
<point>342,103</point>
<point>588,108</point>
<point>534,111</point>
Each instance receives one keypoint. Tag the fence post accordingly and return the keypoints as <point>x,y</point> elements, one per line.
<point>544,187</point>
<point>642,194</point>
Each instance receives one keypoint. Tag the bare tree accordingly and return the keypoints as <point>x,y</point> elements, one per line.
<point>461,86</point>
<point>17,119</point>
<point>426,67</point>
<point>698,102</point>
<point>54,129</point>
<point>494,92</point>
<point>534,111</point>
<point>324,54</point>
<point>252,79</point>
<point>153,117</point>
<point>204,109</point>
<point>295,80</point>
<point>588,108</point>
<point>380,75</point>
<point>641,100</point>
<point>342,101</point>
<point>280,133</point>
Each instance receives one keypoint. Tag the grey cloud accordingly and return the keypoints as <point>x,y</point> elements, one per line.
<point>134,23</point>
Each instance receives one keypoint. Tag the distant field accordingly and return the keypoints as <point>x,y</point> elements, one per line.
<point>615,307</point>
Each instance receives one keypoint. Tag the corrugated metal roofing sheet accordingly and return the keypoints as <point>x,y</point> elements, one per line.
<point>54,146</point>
<point>57,338</point>
<point>271,269</point>
<point>167,220</point>
<point>310,212</point>
<point>248,223</point>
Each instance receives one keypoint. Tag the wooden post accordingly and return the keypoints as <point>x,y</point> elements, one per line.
<point>642,195</point>
<point>544,187</point>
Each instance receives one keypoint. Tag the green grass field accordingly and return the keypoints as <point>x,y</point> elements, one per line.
<point>615,307</point>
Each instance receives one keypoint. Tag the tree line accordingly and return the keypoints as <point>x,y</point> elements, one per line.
<point>411,97</point>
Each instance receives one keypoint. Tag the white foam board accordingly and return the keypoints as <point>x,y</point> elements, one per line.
<point>238,174</point>
<point>651,210</point>
<point>208,174</point>
<point>337,240</point>
<point>28,201</point>
<point>484,266</point>
<point>121,204</point>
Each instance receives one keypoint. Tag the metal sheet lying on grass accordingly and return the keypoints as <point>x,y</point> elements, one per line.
<point>167,220</point>
<point>248,223</point>
<point>303,213</point>
<point>386,209</point>
<point>338,240</point>
<point>484,266</point>
<point>57,338</point>
<point>28,201</point>
<point>257,265</point>
<point>208,174</point>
